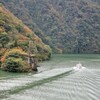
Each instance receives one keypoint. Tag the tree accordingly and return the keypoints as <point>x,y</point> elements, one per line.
<point>4,39</point>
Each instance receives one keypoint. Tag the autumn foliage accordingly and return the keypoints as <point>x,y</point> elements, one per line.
<point>14,50</point>
<point>14,42</point>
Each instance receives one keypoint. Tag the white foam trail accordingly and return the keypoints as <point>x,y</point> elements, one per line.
<point>84,84</point>
<point>7,84</point>
<point>76,86</point>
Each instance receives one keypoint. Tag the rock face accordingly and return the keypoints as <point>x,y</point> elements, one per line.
<point>15,38</point>
<point>68,26</point>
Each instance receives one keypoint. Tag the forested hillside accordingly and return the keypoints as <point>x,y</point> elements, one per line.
<point>15,38</point>
<point>68,26</point>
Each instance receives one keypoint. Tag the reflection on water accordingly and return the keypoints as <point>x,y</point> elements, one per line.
<point>83,84</point>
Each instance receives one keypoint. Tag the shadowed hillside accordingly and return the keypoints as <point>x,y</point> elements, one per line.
<point>68,26</point>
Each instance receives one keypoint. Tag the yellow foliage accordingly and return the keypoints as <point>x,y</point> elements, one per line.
<point>1,29</point>
<point>27,30</point>
<point>14,50</point>
<point>2,50</point>
<point>19,41</point>
<point>15,20</point>
<point>1,8</point>
<point>22,37</point>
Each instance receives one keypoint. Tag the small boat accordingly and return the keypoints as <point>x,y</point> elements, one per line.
<point>78,66</point>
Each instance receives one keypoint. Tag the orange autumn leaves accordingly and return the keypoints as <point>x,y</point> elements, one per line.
<point>14,50</point>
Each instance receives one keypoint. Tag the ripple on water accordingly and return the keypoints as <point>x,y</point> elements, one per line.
<point>80,85</point>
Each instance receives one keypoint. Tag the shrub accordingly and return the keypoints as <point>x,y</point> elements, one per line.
<point>14,65</point>
<point>4,39</point>
<point>23,44</point>
<point>20,28</point>
<point>14,61</point>
<point>14,51</point>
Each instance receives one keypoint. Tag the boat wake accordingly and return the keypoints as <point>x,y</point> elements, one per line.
<point>79,67</point>
<point>81,85</point>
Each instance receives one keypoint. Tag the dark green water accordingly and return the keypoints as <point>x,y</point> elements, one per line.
<point>4,74</point>
<point>70,60</point>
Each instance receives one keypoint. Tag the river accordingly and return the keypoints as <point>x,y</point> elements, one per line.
<point>56,80</point>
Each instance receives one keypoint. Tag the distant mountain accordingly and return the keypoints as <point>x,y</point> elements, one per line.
<point>68,26</point>
<point>14,34</point>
